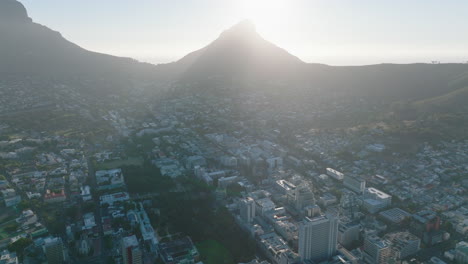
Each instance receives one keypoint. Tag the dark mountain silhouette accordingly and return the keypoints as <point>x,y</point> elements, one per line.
<point>13,12</point>
<point>27,48</point>
<point>239,54</point>
<point>391,82</point>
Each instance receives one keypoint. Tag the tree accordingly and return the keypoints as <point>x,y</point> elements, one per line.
<point>24,204</point>
<point>448,226</point>
<point>129,206</point>
<point>89,207</point>
<point>146,178</point>
<point>235,189</point>
<point>11,228</point>
<point>108,242</point>
<point>110,260</point>
<point>19,245</point>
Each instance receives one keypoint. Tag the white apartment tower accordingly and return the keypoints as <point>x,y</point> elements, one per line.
<point>247,209</point>
<point>376,250</point>
<point>53,248</point>
<point>318,237</point>
<point>131,251</point>
<point>355,184</point>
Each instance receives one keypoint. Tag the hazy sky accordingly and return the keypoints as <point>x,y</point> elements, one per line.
<point>324,31</point>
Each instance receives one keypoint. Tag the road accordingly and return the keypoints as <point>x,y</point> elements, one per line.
<point>98,217</point>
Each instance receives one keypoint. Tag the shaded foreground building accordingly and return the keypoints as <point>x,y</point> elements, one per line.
<point>318,237</point>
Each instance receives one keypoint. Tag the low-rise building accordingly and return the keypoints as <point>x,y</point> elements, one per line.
<point>395,215</point>
<point>55,197</point>
<point>404,244</point>
<point>335,174</point>
<point>110,199</point>
<point>86,193</point>
<point>375,200</point>
<point>461,252</point>
<point>436,260</point>
<point>179,250</point>
<point>109,179</point>
<point>10,198</point>
<point>224,182</point>
<point>327,199</point>
<point>8,258</point>
<point>275,248</point>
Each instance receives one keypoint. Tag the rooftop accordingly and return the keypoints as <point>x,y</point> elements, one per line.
<point>395,215</point>
<point>462,247</point>
<point>130,241</point>
<point>378,193</point>
<point>425,216</point>
<point>178,249</point>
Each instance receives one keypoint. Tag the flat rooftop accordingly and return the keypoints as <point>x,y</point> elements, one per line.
<point>378,193</point>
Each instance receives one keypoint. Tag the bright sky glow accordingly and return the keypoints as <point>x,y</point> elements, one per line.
<point>336,32</point>
<point>266,14</point>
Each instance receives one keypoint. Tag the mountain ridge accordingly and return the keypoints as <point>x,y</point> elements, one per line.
<point>32,49</point>
<point>13,11</point>
<point>240,54</point>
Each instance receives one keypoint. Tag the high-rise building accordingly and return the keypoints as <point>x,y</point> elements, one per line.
<point>461,252</point>
<point>355,184</point>
<point>247,209</point>
<point>318,237</point>
<point>53,248</point>
<point>376,250</point>
<point>304,197</point>
<point>349,205</point>
<point>301,196</point>
<point>426,225</point>
<point>404,244</point>
<point>131,251</point>
<point>348,233</point>
<point>312,211</point>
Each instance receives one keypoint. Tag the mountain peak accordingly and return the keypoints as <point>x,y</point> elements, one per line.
<point>13,11</point>
<point>244,28</point>
<point>246,25</point>
<point>240,53</point>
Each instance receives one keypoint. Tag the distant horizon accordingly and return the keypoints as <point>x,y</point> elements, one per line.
<point>335,34</point>
<point>330,61</point>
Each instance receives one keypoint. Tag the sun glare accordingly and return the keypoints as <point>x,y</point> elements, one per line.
<point>266,14</point>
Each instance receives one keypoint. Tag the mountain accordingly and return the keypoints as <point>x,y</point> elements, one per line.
<point>238,57</point>
<point>454,101</point>
<point>240,53</point>
<point>13,11</point>
<point>391,82</point>
<point>27,48</point>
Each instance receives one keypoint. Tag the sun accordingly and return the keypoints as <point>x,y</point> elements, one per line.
<point>266,14</point>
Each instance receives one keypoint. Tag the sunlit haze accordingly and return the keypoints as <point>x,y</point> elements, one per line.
<point>268,16</point>
<point>233,131</point>
<point>331,32</point>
